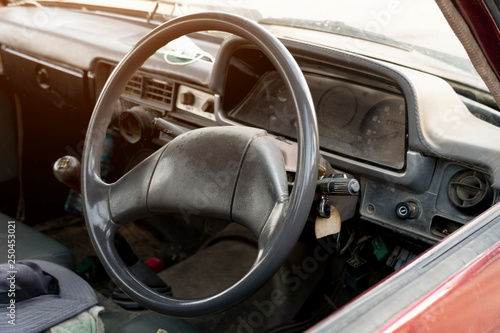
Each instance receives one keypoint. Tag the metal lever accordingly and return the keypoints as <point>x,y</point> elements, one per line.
<point>337,184</point>
<point>168,127</point>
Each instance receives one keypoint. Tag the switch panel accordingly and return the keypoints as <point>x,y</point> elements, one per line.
<point>195,101</point>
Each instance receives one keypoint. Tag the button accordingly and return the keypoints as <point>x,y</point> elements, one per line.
<point>208,106</point>
<point>187,98</point>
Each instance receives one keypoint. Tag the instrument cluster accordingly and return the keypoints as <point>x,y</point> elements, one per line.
<point>357,121</point>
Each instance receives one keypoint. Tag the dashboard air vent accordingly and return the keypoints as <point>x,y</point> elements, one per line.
<point>470,192</point>
<point>158,91</point>
<point>134,86</point>
<point>148,89</point>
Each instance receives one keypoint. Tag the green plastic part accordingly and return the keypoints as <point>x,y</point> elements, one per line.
<point>380,250</point>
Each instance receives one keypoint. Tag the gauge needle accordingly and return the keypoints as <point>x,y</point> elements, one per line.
<point>386,134</point>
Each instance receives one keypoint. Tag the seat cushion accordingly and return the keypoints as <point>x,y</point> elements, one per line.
<point>31,244</point>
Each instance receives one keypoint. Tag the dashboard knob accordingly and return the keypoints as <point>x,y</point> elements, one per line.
<point>187,98</point>
<point>406,210</point>
<point>208,106</point>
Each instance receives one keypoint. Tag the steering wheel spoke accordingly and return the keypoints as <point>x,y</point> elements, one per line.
<point>128,195</point>
<point>262,185</point>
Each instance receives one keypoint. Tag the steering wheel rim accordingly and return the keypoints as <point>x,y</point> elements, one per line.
<point>280,232</point>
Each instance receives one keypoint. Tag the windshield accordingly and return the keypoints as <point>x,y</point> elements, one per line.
<point>410,33</point>
<point>417,29</point>
<point>414,22</point>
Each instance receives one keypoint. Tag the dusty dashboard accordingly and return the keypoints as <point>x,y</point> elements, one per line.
<point>366,121</point>
<point>367,115</point>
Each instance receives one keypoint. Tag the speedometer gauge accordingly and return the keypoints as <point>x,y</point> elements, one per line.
<point>383,133</point>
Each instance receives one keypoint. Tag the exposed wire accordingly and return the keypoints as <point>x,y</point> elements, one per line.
<point>349,242</point>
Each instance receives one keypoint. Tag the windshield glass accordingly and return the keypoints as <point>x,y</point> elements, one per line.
<point>410,33</point>
<point>415,22</point>
<point>408,25</point>
<point>416,32</point>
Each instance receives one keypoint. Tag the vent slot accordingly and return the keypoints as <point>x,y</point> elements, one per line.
<point>134,86</point>
<point>151,91</point>
<point>158,91</point>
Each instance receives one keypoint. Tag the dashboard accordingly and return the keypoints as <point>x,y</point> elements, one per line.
<point>379,122</point>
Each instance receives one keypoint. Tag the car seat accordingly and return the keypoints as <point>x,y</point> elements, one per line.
<point>31,244</point>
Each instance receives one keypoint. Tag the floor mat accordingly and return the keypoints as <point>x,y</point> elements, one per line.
<point>71,231</point>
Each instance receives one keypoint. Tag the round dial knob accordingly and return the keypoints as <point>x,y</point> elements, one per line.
<point>208,106</point>
<point>187,98</point>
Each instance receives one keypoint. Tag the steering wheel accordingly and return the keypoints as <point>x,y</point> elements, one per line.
<point>231,173</point>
